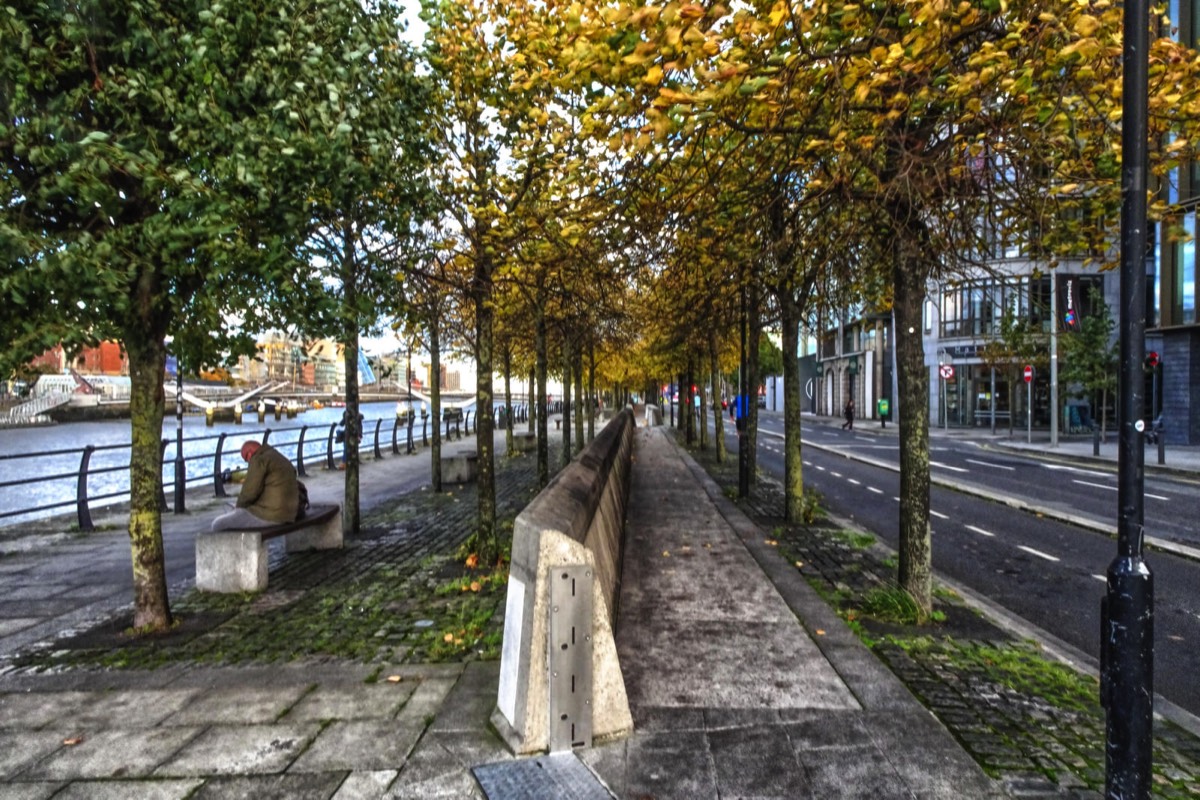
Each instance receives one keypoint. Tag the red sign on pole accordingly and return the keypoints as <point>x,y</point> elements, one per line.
<point>1028,373</point>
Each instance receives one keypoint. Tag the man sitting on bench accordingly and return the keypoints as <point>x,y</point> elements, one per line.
<point>270,494</point>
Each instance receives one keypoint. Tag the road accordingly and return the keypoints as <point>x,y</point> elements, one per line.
<point>1049,573</point>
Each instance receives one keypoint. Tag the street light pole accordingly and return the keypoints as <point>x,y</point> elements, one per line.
<point>1053,358</point>
<point>1127,612</point>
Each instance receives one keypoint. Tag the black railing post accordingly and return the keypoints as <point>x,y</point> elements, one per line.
<point>83,514</point>
<point>411,420</point>
<point>218,481</point>
<point>162,492</point>
<point>329,447</point>
<point>378,455</point>
<point>300,453</point>
<point>424,431</point>
<point>395,429</point>
<point>266,435</point>
<point>447,429</point>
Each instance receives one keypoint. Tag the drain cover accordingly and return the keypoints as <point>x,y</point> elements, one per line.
<point>559,775</point>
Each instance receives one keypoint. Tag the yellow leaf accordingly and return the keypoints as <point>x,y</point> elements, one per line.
<point>1086,25</point>
<point>666,554</point>
<point>475,587</point>
<point>72,741</point>
<point>449,637</point>
<point>394,678</point>
<point>820,632</point>
<point>654,76</point>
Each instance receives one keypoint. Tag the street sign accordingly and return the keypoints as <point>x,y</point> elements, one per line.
<point>946,371</point>
<point>852,367</point>
<point>1028,373</point>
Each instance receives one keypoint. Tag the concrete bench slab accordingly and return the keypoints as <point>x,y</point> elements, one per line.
<point>236,561</point>
<point>524,441</point>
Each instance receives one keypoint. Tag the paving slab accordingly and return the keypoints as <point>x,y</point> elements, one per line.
<point>366,785</point>
<point>21,749</point>
<point>319,786</point>
<point>30,791</point>
<point>32,710</point>
<point>365,701</point>
<point>112,754</point>
<point>248,705</point>
<point>360,744</point>
<point>130,790</point>
<point>128,708</point>
<point>240,750</point>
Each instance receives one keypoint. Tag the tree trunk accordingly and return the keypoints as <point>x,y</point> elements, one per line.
<point>915,550</point>
<point>753,378</point>
<point>508,420</point>
<point>566,411</point>
<point>592,392</point>
<point>147,363</point>
<point>581,405</point>
<point>488,546</point>
<point>351,519</point>
<point>793,465</point>
<point>542,413</point>
<point>435,405</point>
<point>531,399</point>
<point>718,415</point>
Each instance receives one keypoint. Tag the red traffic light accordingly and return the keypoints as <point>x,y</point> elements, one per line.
<point>1152,358</point>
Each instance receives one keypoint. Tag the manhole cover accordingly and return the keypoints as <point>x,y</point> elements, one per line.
<point>559,775</point>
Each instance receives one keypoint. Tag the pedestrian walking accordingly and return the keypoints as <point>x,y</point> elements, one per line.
<point>849,412</point>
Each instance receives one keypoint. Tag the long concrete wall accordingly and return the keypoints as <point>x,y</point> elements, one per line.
<point>578,519</point>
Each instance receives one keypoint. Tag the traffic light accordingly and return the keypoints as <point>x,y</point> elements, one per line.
<point>1152,361</point>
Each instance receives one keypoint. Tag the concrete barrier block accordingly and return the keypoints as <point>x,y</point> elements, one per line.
<point>577,520</point>
<point>231,561</point>
<point>524,441</point>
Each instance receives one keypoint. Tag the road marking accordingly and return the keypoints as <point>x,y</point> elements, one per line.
<point>1100,578</point>
<point>806,463</point>
<point>820,468</point>
<point>835,474</point>
<point>1077,469</point>
<point>873,489</point>
<point>947,466</point>
<point>864,439</point>
<point>856,483</point>
<point>980,531</point>
<point>897,499</point>
<point>1037,553</point>
<point>990,464</point>
<point>937,514</point>
<point>1114,488</point>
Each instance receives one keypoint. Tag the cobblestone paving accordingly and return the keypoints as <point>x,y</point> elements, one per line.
<point>382,598</point>
<point>1027,719</point>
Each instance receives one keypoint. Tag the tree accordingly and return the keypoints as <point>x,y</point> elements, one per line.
<point>147,165</point>
<point>1089,359</point>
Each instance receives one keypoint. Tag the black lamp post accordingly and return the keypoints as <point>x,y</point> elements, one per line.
<point>180,464</point>
<point>1127,612</point>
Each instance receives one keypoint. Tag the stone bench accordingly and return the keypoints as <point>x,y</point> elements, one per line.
<point>460,468</point>
<point>236,561</point>
<point>524,441</point>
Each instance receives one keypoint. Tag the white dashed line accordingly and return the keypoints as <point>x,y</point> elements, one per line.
<point>873,489</point>
<point>947,466</point>
<point>938,514</point>
<point>980,531</point>
<point>1100,578</point>
<point>897,499</point>
<point>1037,553</point>
<point>835,474</point>
<point>990,464</point>
<point>856,483</point>
<point>820,468</point>
<point>1096,485</point>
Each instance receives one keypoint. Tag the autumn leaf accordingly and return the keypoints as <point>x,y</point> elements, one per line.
<point>472,561</point>
<point>449,637</point>
<point>475,587</point>
<point>394,678</point>
<point>72,741</point>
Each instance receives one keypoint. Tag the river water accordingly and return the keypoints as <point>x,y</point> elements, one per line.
<point>44,462</point>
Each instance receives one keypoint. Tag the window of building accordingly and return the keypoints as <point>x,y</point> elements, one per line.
<point>1185,273</point>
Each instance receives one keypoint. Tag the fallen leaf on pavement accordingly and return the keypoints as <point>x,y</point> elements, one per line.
<point>394,678</point>
<point>72,741</point>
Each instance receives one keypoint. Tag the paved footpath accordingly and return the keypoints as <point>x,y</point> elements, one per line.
<point>743,683</point>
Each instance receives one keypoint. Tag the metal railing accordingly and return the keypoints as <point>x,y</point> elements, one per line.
<point>92,476</point>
